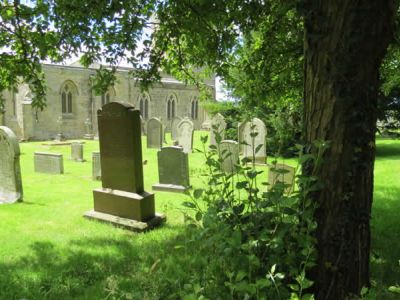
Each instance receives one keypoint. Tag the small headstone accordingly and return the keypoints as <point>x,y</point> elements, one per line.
<point>154,133</point>
<point>10,172</point>
<point>281,173</point>
<point>254,133</point>
<point>218,124</point>
<point>89,130</point>
<point>77,152</point>
<point>174,128</point>
<point>122,199</point>
<point>173,170</point>
<point>185,135</point>
<point>51,163</point>
<point>60,137</point>
<point>229,151</point>
<point>96,166</point>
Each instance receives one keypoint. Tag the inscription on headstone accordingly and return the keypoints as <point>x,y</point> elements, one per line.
<point>185,135</point>
<point>51,163</point>
<point>10,172</point>
<point>173,170</point>
<point>154,133</point>
<point>282,173</point>
<point>122,199</point>
<point>96,166</point>
<point>229,151</point>
<point>218,124</point>
<point>254,133</point>
<point>77,152</point>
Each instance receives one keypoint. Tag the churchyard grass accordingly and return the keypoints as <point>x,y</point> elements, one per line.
<point>49,251</point>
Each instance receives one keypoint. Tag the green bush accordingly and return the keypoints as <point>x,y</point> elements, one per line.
<point>255,245</point>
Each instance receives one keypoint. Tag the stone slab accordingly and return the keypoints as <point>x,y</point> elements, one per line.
<point>129,224</point>
<point>170,188</point>
<point>51,163</point>
<point>139,207</point>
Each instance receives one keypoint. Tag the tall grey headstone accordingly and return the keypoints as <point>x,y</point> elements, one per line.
<point>174,128</point>
<point>51,163</point>
<point>122,199</point>
<point>96,166</point>
<point>281,173</point>
<point>229,152</point>
<point>185,135</point>
<point>173,170</point>
<point>10,171</point>
<point>218,124</point>
<point>89,130</point>
<point>77,151</point>
<point>254,133</point>
<point>60,123</point>
<point>154,133</point>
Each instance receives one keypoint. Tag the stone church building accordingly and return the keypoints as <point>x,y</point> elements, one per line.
<point>72,105</point>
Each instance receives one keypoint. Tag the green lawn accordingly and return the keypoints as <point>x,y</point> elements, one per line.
<point>49,251</point>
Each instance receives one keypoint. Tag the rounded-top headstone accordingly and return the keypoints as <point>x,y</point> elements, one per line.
<point>154,133</point>
<point>185,134</point>
<point>10,172</point>
<point>218,124</point>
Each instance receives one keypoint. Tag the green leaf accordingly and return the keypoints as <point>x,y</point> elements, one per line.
<point>189,204</point>
<point>197,193</point>
<point>394,289</point>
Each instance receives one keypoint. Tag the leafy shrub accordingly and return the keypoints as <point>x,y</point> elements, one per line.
<point>256,245</point>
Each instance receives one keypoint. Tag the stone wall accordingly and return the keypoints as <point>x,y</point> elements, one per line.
<point>32,125</point>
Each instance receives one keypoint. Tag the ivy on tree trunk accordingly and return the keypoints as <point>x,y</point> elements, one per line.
<point>345,42</point>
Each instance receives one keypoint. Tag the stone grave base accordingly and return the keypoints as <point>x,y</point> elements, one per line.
<point>61,143</point>
<point>129,224</point>
<point>124,204</point>
<point>88,136</point>
<point>169,188</point>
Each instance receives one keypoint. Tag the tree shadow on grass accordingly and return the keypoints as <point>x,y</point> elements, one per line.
<point>385,254</point>
<point>95,268</point>
<point>391,151</point>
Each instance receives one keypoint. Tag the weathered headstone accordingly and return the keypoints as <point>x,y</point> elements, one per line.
<point>89,130</point>
<point>154,133</point>
<point>254,133</point>
<point>281,173</point>
<point>10,172</point>
<point>173,170</point>
<point>174,128</point>
<point>51,163</point>
<point>96,166</point>
<point>185,135</point>
<point>218,124</point>
<point>60,122</point>
<point>122,199</point>
<point>77,151</point>
<point>229,151</point>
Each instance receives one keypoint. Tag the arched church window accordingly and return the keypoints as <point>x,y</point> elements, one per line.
<point>67,97</point>
<point>144,100</point>
<point>108,96</point>
<point>195,108</point>
<point>171,104</point>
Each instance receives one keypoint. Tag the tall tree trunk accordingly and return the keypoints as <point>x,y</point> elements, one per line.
<point>345,41</point>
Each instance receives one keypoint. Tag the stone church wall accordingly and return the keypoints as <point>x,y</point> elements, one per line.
<point>42,125</point>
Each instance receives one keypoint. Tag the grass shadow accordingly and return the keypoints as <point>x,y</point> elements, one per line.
<point>385,254</point>
<point>391,151</point>
<point>98,268</point>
